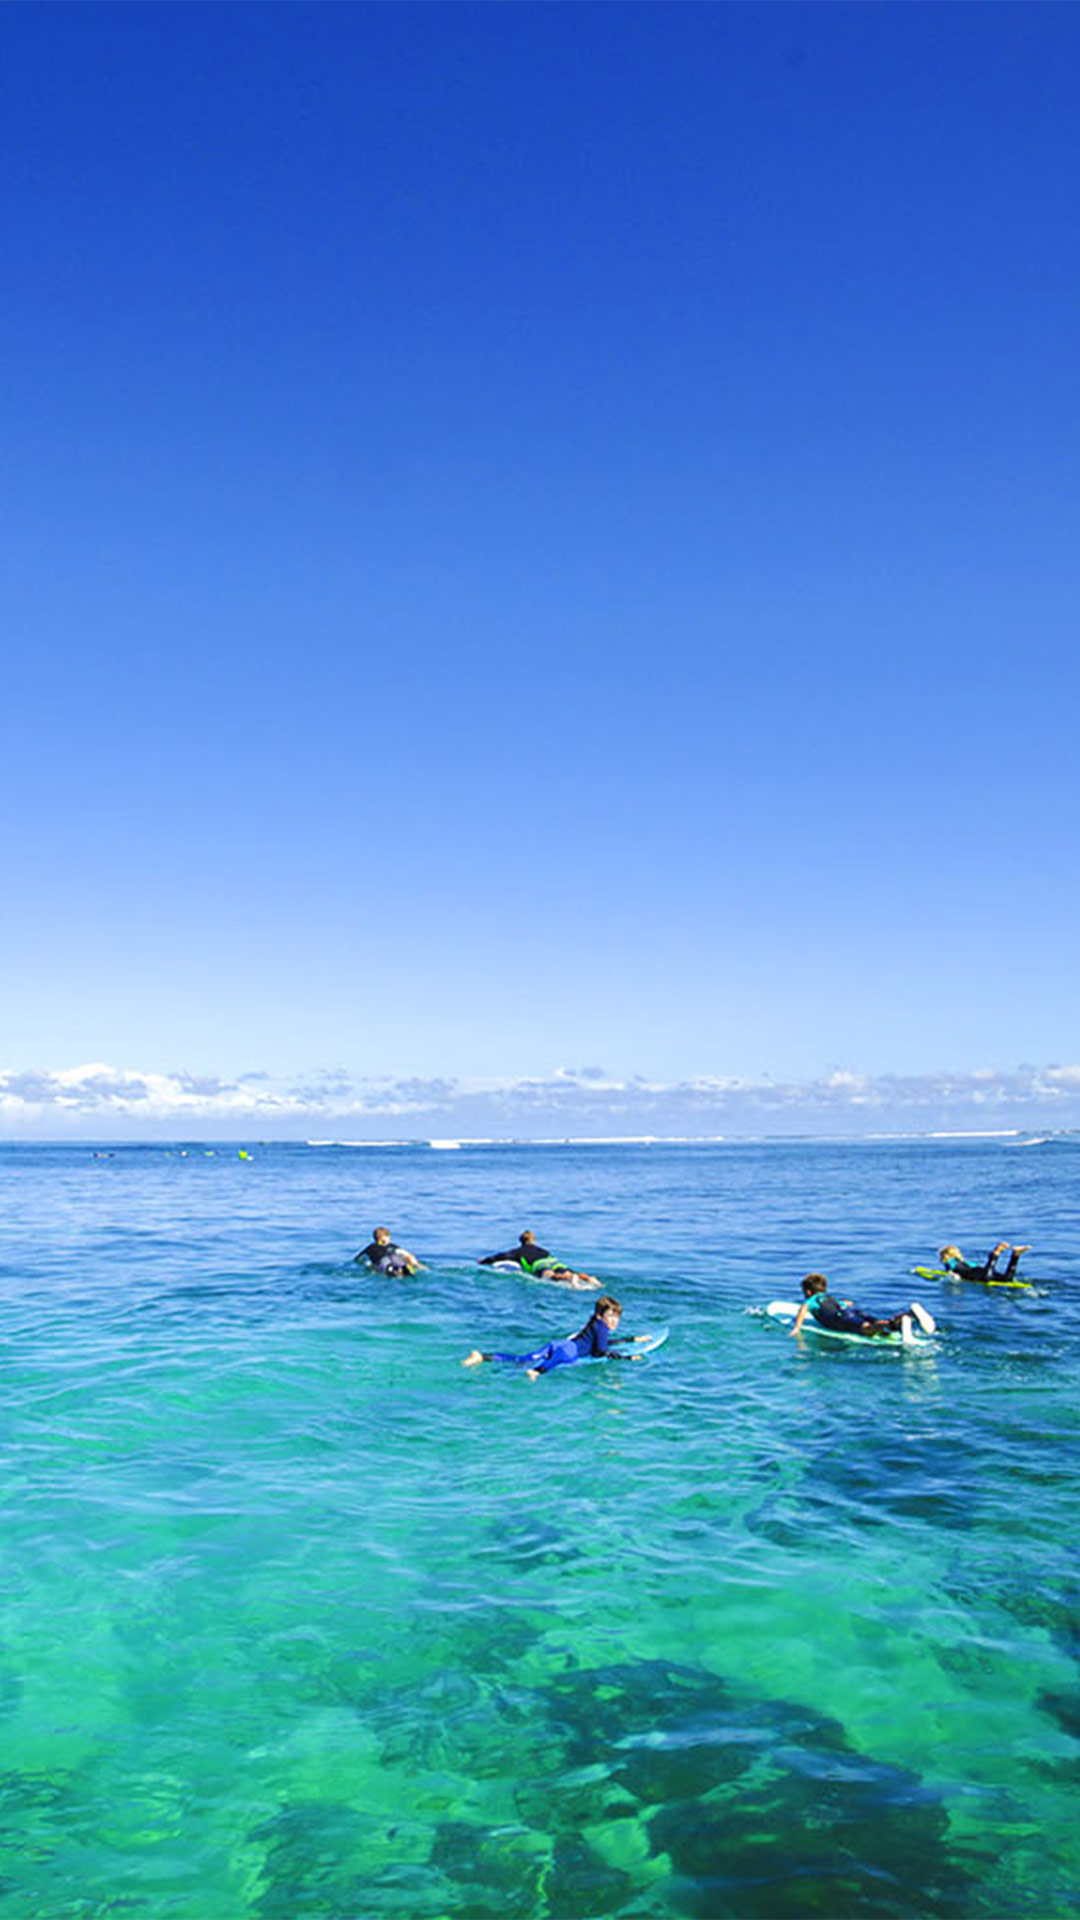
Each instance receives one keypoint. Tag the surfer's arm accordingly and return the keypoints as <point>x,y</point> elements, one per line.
<point>603,1342</point>
<point>801,1316</point>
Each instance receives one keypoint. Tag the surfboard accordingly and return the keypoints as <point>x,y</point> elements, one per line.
<point>644,1343</point>
<point>552,1279</point>
<point>787,1310</point>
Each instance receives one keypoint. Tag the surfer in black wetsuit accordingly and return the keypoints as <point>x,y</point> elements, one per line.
<point>954,1263</point>
<point>536,1260</point>
<point>527,1254</point>
<point>843,1316</point>
<point>384,1257</point>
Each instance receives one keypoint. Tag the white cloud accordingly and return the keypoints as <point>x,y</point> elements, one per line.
<point>97,1100</point>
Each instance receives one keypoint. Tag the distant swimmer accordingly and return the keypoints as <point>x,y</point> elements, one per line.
<point>536,1260</point>
<point>954,1263</point>
<point>383,1256</point>
<point>594,1342</point>
<point>842,1316</point>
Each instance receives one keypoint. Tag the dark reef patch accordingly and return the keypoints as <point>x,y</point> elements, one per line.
<point>763,1808</point>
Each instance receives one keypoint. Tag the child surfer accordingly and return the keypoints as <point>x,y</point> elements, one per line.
<point>960,1269</point>
<point>383,1256</point>
<point>594,1342</point>
<point>842,1316</point>
<point>537,1261</point>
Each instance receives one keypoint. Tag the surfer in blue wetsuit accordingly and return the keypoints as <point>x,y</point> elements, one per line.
<point>843,1316</point>
<point>954,1263</point>
<point>537,1261</point>
<point>384,1257</point>
<point>594,1342</point>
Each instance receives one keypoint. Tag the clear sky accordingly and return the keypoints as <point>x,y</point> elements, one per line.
<point>539,536</point>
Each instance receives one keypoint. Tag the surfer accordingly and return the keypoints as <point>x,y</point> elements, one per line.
<point>383,1256</point>
<point>960,1269</point>
<point>536,1260</point>
<point>594,1342</point>
<point>843,1316</point>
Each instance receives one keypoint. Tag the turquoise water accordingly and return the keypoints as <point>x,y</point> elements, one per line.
<point>300,1620</point>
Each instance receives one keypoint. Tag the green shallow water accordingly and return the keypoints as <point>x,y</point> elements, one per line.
<point>298,1618</point>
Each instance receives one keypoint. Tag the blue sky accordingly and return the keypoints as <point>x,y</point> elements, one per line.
<point>539,538</point>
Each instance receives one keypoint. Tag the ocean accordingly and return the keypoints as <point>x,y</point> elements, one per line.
<point>301,1620</point>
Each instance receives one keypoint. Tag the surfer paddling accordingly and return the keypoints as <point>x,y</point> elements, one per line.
<point>383,1256</point>
<point>594,1342</point>
<point>539,1263</point>
<point>960,1269</point>
<point>843,1316</point>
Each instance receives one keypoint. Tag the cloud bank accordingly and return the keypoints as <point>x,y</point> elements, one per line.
<point>102,1102</point>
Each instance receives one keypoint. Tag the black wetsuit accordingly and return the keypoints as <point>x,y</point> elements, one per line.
<point>527,1256</point>
<point>963,1269</point>
<point>385,1257</point>
<point>844,1319</point>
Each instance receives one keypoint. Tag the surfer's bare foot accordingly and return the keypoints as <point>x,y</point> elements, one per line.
<point>1021,1249</point>
<point>473,1359</point>
<point>532,1373</point>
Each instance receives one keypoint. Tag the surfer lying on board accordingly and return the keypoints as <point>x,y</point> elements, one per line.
<point>842,1316</point>
<point>383,1256</point>
<point>954,1263</point>
<point>536,1260</point>
<point>594,1342</point>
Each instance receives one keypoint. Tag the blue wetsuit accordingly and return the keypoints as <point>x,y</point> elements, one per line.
<point>592,1343</point>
